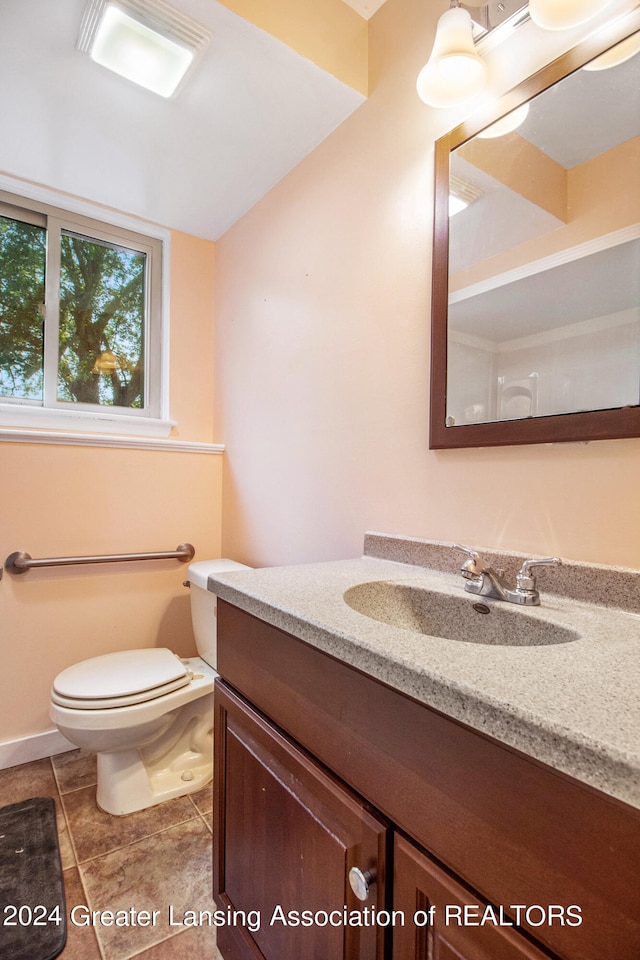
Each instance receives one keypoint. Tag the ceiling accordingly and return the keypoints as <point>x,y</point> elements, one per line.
<point>587,114</point>
<point>252,109</point>
<point>366,8</point>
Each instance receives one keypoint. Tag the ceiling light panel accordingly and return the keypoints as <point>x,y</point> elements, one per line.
<point>146,41</point>
<point>461,194</point>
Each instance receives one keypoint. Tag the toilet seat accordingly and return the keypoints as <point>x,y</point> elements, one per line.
<point>120,679</point>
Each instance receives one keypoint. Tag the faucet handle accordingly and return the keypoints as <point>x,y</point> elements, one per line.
<point>526,581</point>
<point>468,550</point>
<point>472,567</point>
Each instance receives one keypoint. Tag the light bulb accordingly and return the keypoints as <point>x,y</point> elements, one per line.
<point>454,72</point>
<point>564,14</point>
<point>506,124</point>
<point>616,55</point>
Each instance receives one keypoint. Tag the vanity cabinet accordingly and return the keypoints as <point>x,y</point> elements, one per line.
<point>456,931</point>
<point>288,834</point>
<point>319,765</point>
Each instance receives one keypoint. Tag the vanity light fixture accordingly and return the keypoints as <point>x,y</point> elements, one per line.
<point>108,362</point>
<point>455,71</point>
<point>145,41</point>
<point>506,124</point>
<point>564,14</point>
<point>622,52</point>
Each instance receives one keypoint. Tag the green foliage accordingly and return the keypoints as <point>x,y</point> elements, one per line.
<point>22,262</point>
<point>101,318</point>
<point>101,312</point>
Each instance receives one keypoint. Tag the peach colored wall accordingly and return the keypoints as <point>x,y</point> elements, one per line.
<point>322,345</point>
<point>69,500</point>
<point>191,348</point>
<point>327,32</point>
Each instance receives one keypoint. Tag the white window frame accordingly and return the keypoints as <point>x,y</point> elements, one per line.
<point>89,220</point>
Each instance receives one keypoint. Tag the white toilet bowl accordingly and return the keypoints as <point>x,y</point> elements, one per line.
<point>146,713</point>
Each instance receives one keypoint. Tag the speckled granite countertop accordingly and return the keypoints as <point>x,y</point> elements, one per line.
<point>573,705</point>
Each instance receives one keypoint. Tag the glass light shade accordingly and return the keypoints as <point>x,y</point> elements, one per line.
<point>616,55</point>
<point>506,124</point>
<point>454,72</point>
<point>108,362</point>
<point>140,54</point>
<point>564,14</point>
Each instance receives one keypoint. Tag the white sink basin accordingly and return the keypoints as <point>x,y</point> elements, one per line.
<point>410,606</point>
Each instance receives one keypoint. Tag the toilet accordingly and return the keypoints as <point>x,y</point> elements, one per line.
<point>148,714</point>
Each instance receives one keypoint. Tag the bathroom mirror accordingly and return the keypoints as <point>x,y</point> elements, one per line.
<point>536,278</point>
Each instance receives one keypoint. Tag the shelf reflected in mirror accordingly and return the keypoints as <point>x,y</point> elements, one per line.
<point>536,286</point>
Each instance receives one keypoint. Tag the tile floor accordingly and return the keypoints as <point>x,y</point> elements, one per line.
<point>149,860</point>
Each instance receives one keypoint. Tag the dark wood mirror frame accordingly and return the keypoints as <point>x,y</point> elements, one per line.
<point>571,427</point>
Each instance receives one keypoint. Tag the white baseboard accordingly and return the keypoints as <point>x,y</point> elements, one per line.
<point>35,747</point>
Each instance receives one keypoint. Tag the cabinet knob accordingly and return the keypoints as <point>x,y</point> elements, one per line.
<point>361,882</point>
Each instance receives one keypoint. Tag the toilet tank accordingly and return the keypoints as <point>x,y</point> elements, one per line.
<point>204,604</point>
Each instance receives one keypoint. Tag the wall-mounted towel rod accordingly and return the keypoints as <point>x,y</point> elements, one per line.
<point>20,562</point>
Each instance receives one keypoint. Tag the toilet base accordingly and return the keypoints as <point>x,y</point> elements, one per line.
<point>177,763</point>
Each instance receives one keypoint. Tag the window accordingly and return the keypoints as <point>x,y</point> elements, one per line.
<point>80,321</point>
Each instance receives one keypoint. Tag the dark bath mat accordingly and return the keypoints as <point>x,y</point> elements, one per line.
<point>32,906</point>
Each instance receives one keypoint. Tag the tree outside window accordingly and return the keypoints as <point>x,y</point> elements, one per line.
<point>101,332</point>
<point>101,309</point>
<point>81,321</point>
<point>22,277</point>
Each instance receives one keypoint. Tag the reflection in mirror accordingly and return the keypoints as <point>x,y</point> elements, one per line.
<point>536,267</point>
<point>544,259</point>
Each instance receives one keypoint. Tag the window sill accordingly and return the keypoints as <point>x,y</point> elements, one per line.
<point>12,415</point>
<point>82,428</point>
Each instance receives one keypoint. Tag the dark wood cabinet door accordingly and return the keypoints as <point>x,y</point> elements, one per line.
<point>420,885</point>
<point>286,835</point>
<point>514,829</point>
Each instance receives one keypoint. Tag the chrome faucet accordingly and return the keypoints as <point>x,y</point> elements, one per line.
<point>484,581</point>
